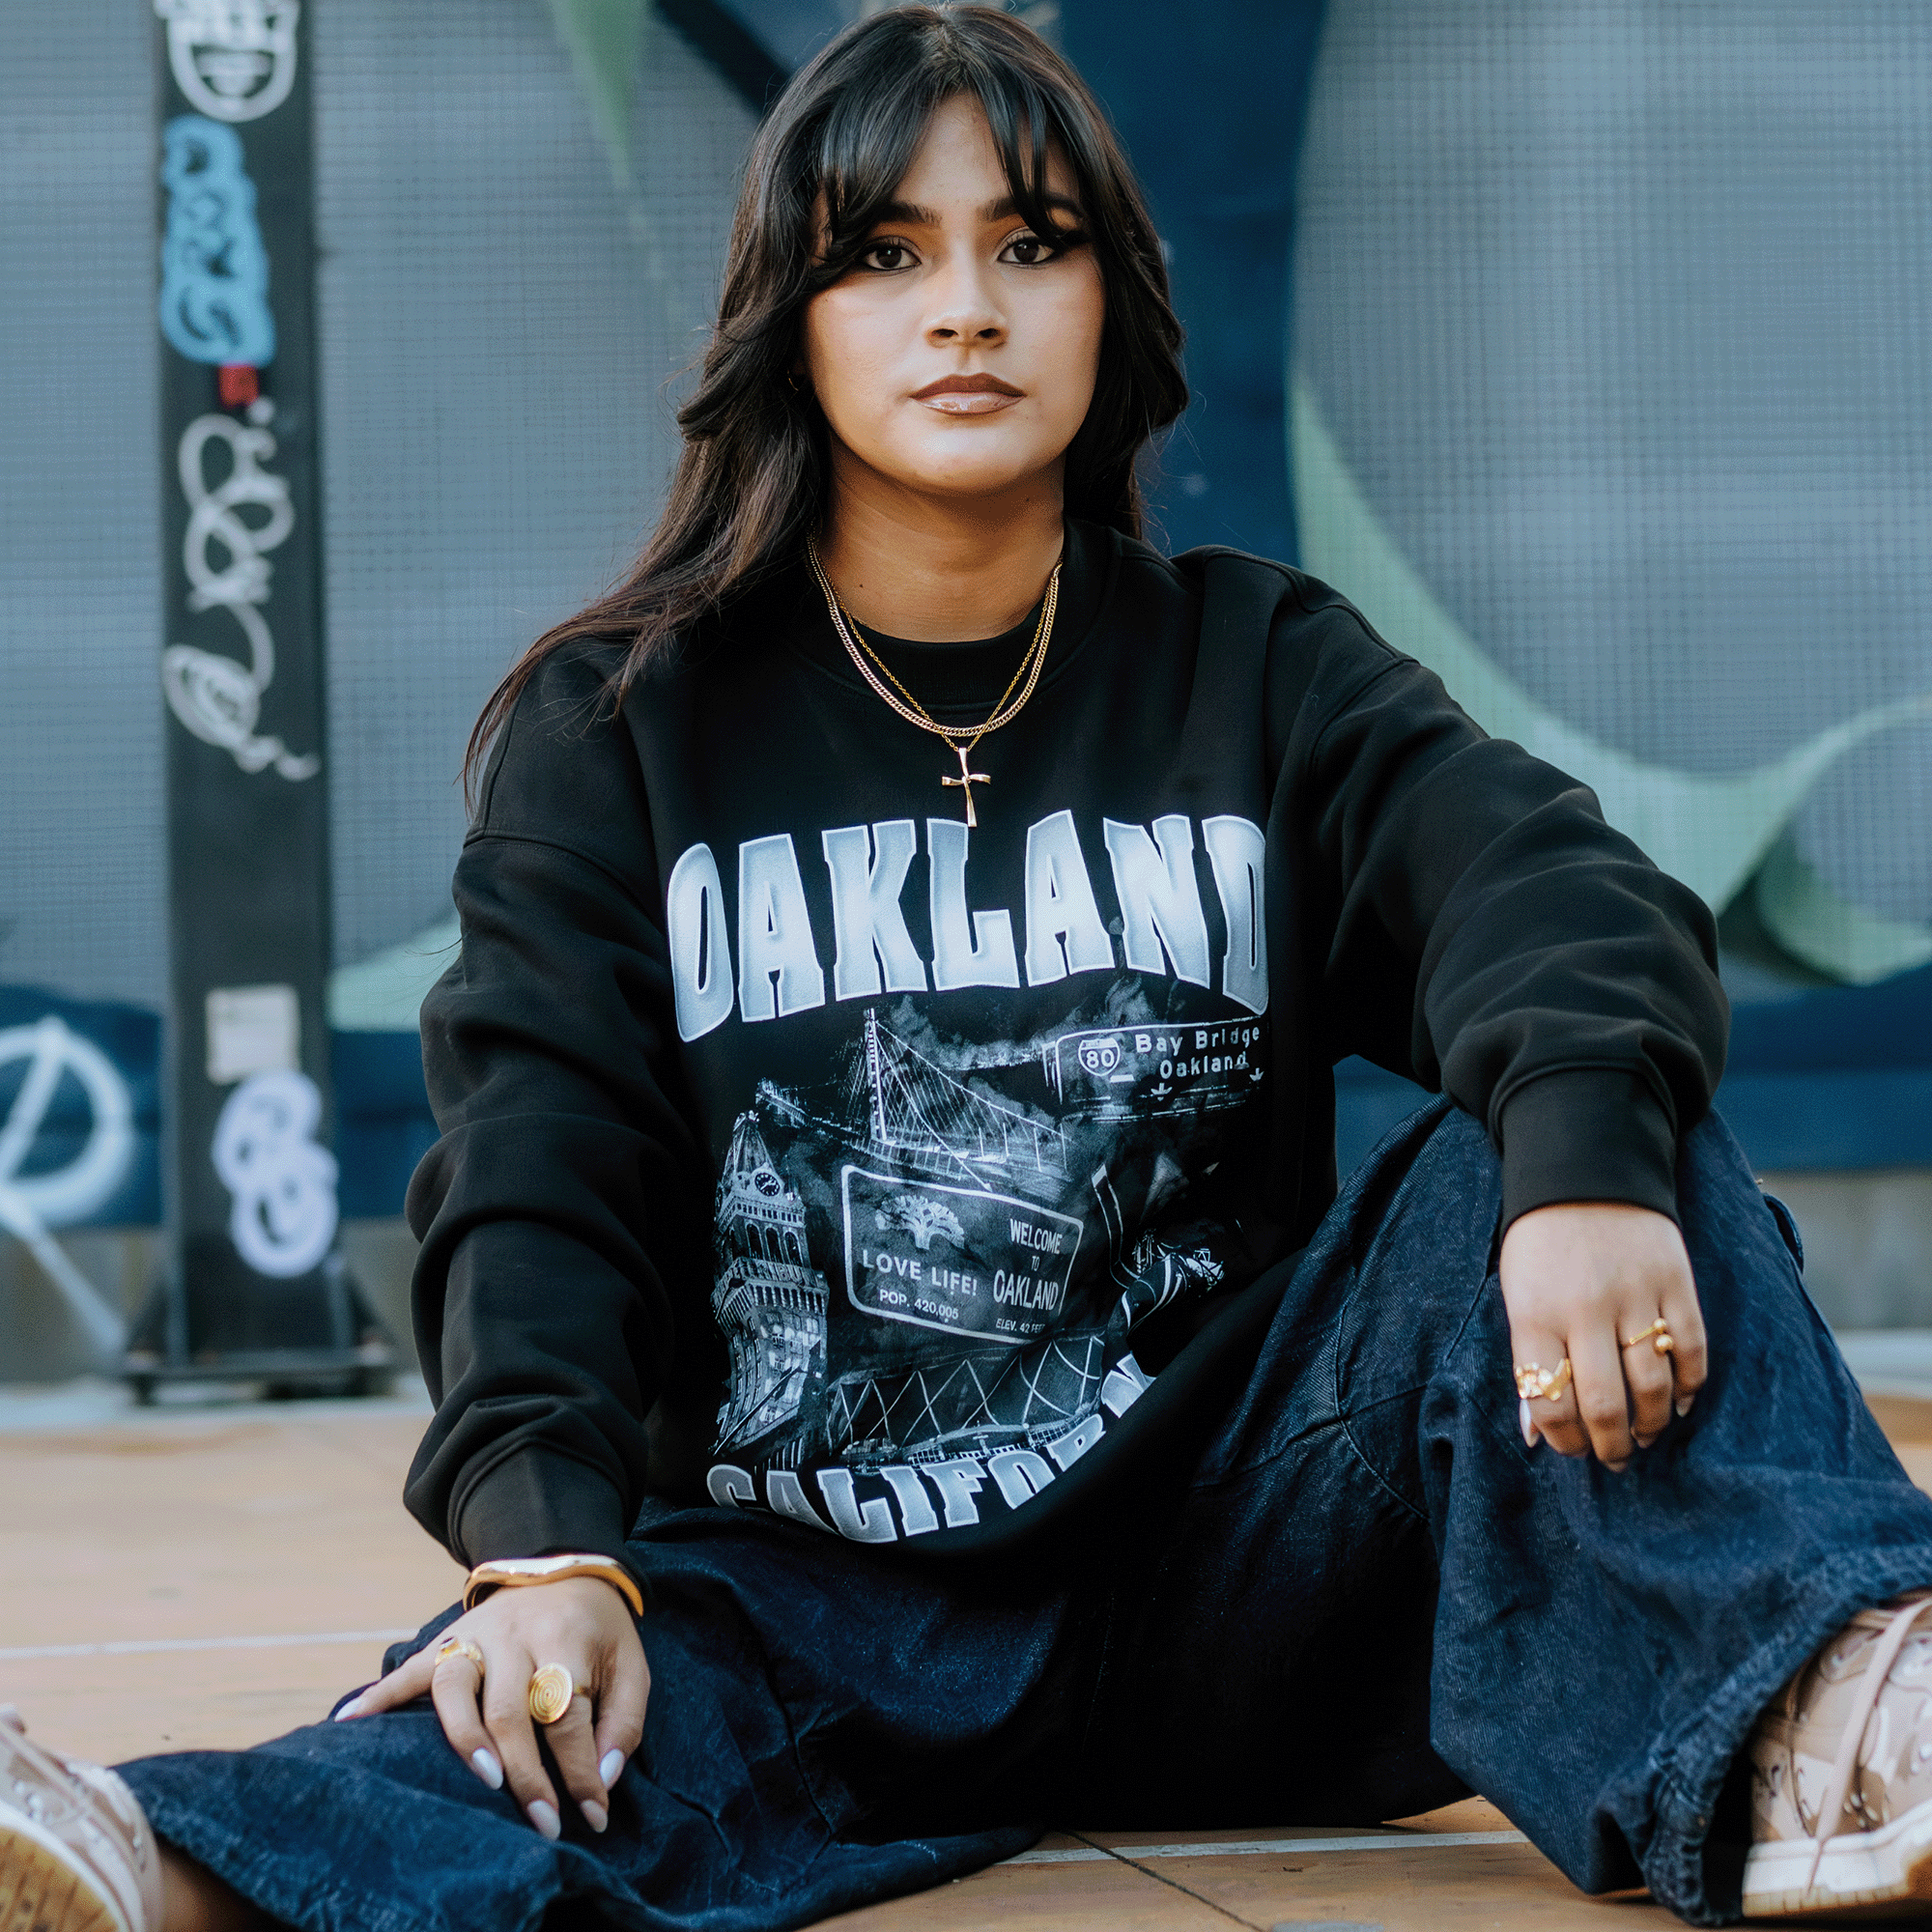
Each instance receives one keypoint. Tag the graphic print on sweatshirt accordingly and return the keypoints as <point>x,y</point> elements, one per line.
<point>931,1251</point>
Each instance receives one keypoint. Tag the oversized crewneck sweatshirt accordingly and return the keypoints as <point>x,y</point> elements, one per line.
<point>807,1151</point>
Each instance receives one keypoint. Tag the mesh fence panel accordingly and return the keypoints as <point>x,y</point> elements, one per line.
<point>499,324</point>
<point>1617,311</point>
<point>499,320</point>
<point>81,854</point>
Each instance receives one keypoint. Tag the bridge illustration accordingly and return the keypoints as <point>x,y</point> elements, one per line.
<point>889,1102</point>
<point>910,1111</point>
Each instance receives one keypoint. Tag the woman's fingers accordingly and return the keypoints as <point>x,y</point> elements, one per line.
<point>573,1743</point>
<point>485,1710</point>
<point>455,1687</point>
<point>404,1685</point>
<point>620,1711</point>
<point>513,1733</point>
<point>1689,1356</point>
<point>1667,1379</point>
<point>1648,1376</point>
<point>1555,1422</point>
<point>1581,1278</point>
<point>1603,1399</point>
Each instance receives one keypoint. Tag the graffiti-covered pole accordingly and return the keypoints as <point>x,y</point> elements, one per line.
<point>255,1281</point>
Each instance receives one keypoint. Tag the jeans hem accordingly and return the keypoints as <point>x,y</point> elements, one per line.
<point>1691,1768</point>
<point>839,1875</point>
<point>264,1880</point>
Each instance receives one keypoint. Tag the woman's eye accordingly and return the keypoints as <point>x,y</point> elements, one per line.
<point>886,256</point>
<point>1034,251</point>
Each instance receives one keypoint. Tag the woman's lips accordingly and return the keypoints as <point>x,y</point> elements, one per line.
<point>979,394</point>
<point>967,402</point>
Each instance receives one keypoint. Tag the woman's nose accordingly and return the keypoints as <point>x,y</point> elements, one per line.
<point>964,309</point>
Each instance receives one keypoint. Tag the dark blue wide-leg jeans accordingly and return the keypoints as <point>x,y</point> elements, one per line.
<point>1353,1594</point>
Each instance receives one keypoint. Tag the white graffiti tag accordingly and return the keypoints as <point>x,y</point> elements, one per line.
<point>215,697</point>
<point>30,1203</point>
<point>285,1211</point>
<point>234,59</point>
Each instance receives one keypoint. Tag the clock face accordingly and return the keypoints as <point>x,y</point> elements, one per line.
<point>767,1182</point>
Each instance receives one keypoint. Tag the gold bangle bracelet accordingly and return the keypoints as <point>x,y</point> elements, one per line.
<point>510,1571</point>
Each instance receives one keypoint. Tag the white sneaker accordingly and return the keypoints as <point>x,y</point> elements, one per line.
<point>76,1851</point>
<point>1848,1744</point>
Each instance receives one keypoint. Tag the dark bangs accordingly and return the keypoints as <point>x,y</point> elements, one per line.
<point>869,138</point>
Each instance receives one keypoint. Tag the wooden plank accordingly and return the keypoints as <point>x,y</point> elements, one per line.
<point>168,1529</point>
<point>288,1531</point>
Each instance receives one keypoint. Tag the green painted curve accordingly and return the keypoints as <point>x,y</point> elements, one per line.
<point>1712,833</point>
<point>604,39</point>
<point>1829,933</point>
<point>384,992</point>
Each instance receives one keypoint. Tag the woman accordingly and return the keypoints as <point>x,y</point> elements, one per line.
<point>880,1277</point>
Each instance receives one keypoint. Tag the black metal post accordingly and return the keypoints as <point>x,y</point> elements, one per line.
<point>256,1285</point>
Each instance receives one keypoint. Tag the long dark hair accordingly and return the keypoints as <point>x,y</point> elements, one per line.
<point>751,482</point>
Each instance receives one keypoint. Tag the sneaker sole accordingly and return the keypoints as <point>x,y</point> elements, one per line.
<point>1863,1875</point>
<point>39,1888</point>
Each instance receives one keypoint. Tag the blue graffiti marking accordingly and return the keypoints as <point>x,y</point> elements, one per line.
<point>214,271</point>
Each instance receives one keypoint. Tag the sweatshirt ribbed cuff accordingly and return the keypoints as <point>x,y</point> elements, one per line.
<point>1588,1134</point>
<point>537,1503</point>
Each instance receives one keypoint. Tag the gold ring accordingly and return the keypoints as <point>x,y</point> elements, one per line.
<point>458,1646</point>
<point>1532,1381</point>
<point>1661,1328</point>
<point>551,1688</point>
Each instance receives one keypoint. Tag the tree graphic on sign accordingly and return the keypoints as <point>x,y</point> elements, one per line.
<point>922,1218</point>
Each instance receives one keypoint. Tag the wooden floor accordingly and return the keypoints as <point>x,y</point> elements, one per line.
<point>172,1580</point>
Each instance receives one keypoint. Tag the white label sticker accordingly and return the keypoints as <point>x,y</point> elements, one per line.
<point>252,1030</point>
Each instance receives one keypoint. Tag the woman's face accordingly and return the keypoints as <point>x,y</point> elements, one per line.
<point>959,356</point>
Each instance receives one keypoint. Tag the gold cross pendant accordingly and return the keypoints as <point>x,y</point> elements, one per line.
<point>966,780</point>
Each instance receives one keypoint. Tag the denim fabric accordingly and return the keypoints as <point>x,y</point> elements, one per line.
<point>1357,1593</point>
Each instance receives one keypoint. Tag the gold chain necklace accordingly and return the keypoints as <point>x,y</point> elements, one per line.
<point>961,739</point>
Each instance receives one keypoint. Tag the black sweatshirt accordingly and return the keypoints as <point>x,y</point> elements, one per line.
<point>882,1165</point>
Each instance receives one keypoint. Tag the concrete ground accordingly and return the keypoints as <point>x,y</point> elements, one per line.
<point>186,1578</point>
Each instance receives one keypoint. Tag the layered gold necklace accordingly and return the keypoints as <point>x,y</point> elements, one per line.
<point>961,739</point>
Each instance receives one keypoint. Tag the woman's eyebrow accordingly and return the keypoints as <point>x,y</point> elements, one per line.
<point>1006,205</point>
<point>916,214</point>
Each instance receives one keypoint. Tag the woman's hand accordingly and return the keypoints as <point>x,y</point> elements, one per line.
<point>1578,1280</point>
<point>579,1622</point>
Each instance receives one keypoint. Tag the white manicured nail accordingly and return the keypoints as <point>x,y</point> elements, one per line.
<point>543,1817</point>
<point>349,1710</point>
<point>1684,1404</point>
<point>488,1769</point>
<point>610,1768</point>
<point>1529,1435</point>
<point>594,1815</point>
